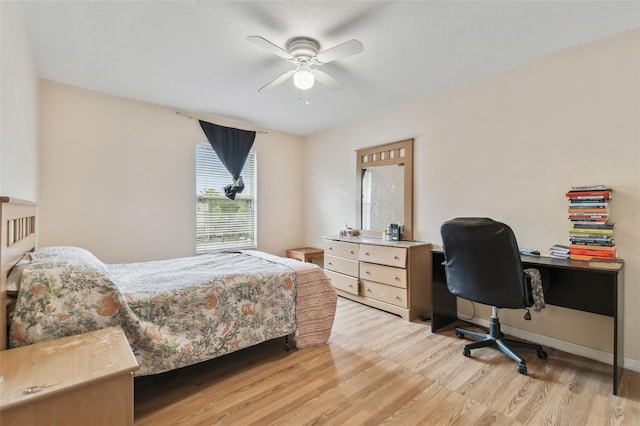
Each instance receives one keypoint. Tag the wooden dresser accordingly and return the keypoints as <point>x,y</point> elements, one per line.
<point>389,275</point>
<point>78,380</point>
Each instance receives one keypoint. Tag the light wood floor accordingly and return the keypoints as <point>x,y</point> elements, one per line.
<point>379,369</point>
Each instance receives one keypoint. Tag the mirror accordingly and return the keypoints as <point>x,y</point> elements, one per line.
<point>382,196</point>
<point>384,187</point>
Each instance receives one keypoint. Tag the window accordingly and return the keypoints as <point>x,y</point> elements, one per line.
<point>222,223</point>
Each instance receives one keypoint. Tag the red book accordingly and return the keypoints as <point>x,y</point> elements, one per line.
<point>588,194</point>
<point>589,252</point>
<point>590,258</point>
<point>588,210</point>
<point>591,217</point>
<point>586,247</point>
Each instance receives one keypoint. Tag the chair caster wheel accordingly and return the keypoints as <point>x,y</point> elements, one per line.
<point>542,354</point>
<point>460,335</point>
<point>522,369</point>
<point>466,352</point>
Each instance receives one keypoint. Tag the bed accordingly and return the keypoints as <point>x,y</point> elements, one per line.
<point>174,312</point>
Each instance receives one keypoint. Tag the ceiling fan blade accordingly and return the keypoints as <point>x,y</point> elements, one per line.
<point>266,44</point>
<point>347,48</point>
<point>278,81</point>
<point>326,79</point>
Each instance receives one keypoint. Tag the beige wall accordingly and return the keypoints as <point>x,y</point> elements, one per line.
<point>118,178</point>
<point>508,146</point>
<point>18,107</point>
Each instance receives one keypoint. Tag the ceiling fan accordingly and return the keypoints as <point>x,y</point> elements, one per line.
<point>303,53</point>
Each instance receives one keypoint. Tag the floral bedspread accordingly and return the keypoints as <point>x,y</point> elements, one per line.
<point>175,312</point>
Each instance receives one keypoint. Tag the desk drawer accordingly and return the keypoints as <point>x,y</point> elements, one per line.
<point>341,249</point>
<point>342,265</point>
<point>343,282</point>
<point>392,256</point>
<point>396,277</point>
<point>384,293</point>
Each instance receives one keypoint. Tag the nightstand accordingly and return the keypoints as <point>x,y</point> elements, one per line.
<point>78,380</point>
<point>305,254</point>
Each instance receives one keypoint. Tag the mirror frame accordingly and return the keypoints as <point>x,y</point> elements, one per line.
<point>384,155</point>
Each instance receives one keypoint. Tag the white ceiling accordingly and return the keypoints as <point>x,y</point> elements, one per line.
<point>194,55</point>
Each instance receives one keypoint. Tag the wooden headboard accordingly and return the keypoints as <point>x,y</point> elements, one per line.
<point>18,237</point>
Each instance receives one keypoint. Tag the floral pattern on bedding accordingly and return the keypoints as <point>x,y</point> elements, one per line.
<point>175,313</point>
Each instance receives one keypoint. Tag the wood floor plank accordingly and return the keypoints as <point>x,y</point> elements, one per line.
<point>449,407</point>
<point>380,369</point>
<point>630,388</point>
<point>387,396</point>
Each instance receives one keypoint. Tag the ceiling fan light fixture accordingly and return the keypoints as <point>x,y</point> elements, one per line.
<point>303,79</point>
<point>303,52</point>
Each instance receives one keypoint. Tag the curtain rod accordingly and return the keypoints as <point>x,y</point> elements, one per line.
<point>195,118</point>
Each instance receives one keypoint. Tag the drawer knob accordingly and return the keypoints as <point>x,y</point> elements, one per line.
<point>366,253</point>
<point>397,297</point>
<point>367,272</point>
<point>351,251</point>
<point>330,263</point>
<point>330,248</point>
<point>350,285</point>
<point>395,277</point>
<point>395,257</point>
<point>369,290</point>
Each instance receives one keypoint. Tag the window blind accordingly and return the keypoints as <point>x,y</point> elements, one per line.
<point>222,223</point>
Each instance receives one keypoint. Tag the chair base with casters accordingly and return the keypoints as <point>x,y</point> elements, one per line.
<point>496,338</point>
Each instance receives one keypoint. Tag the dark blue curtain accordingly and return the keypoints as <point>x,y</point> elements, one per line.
<point>232,147</point>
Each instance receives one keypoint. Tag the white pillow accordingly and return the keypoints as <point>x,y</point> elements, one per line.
<point>67,256</point>
<point>61,253</point>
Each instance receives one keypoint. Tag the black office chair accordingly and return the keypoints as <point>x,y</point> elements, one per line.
<point>483,265</point>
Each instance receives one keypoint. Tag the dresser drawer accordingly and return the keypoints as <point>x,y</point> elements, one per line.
<point>342,265</point>
<point>392,256</point>
<point>343,282</point>
<point>341,249</point>
<point>384,293</point>
<point>396,277</point>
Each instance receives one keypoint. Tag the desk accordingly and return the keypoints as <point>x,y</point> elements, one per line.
<point>586,286</point>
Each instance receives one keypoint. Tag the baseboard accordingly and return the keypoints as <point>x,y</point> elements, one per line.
<point>572,348</point>
<point>632,364</point>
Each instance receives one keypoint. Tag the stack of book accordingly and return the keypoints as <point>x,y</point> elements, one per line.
<point>591,236</point>
<point>559,251</point>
